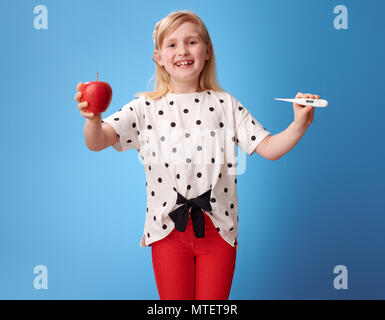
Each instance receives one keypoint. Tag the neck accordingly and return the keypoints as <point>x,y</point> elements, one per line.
<point>185,88</point>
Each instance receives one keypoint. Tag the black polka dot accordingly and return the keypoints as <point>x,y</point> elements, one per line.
<point>226,213</point>
<point>218,229</point>
<point>164,226</point>
<point>116,119</point>
<point>173,124</point>
<point>171,102</point>
<point>133,124</point>
<point>188,160</point>
<point>160,112</point>
<point>199,174</point>
<point>152,193</point>
<point>159,180</point>
<point>149,167</point>
<point>164,204</point>
<point>221,124</point>
<point>225,189</point>
<point>162,138</point>
<point>148,234</point>
<point>129,141</point>
<point>149,127</point>
<point>198,122</point>
<point>240,108</point>
<point>174,149</point>
<point>178,176</point>
<point>231,229</point>
<point>213,200</point>
<point>221,101</point>
<point>212,160</point>
<point>199,148</point>
<point>166,165</point>
<point>196,100</point>
<point>212,133</point>
<point>188,187</point>
<point>253,138</point>
<point>211,109</point>
<point>229,164</point>
<point>232,206</point>
<point>185,110</point>
<point>147,103</point>
<point>154,218</point>
<point>187,135</point>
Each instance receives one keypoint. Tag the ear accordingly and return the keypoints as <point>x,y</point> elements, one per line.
<point>157,58</point>
<point>208,52</point>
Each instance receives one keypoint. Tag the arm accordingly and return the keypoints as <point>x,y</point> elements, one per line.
<point>281,143</point>
<point>274,147</point>
<point>99,136</point>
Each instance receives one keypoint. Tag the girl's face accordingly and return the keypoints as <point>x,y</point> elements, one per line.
<point>184,44</point>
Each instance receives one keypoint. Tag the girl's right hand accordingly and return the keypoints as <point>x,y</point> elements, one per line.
<point>84,104</point>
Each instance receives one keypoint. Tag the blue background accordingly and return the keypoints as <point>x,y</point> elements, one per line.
<point>81,213</point>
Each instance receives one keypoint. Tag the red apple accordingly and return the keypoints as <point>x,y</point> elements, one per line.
<point>98,94</point>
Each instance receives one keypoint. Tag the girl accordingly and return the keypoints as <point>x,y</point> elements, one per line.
<point>185,132</point>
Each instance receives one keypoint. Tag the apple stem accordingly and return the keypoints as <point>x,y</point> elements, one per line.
<point>97,74</point>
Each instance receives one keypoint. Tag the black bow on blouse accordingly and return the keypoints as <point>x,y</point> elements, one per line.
<point>180,215</point>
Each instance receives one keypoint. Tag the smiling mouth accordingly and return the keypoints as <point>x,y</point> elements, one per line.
<point>185,66</point>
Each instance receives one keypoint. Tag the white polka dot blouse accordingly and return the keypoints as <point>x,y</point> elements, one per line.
<point>187,143</point>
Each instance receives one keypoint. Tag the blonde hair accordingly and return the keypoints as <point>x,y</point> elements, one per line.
<point>207,78</point>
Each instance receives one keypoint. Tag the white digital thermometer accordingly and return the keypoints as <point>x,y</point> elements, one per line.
<point>307,102</point>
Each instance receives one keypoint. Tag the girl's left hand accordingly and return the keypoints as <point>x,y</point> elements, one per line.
<point>303,115</point>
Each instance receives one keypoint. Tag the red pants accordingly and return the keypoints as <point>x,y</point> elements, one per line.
<point>190,268</point>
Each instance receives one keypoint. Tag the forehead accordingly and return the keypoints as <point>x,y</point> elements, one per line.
<point>186,29</point>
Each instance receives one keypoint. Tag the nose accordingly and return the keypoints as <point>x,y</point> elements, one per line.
<point>183,50</point>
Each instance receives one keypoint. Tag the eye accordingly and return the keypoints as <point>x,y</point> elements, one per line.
<point>192,41</point>
<point>171,45</point>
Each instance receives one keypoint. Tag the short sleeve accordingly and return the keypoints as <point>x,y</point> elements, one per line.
<point>127,122</point>
<point>249,132</point>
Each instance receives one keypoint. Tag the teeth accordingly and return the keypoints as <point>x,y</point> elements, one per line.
<point>183,63</point>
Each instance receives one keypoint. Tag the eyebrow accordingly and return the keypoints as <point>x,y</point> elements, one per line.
<point>190,36</point>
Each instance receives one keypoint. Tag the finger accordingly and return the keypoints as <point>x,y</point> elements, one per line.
<point>87,114</point>
<point>79,86</point>
<point>78,96</point>
<point>299,95</point>
<point>82,105</point>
